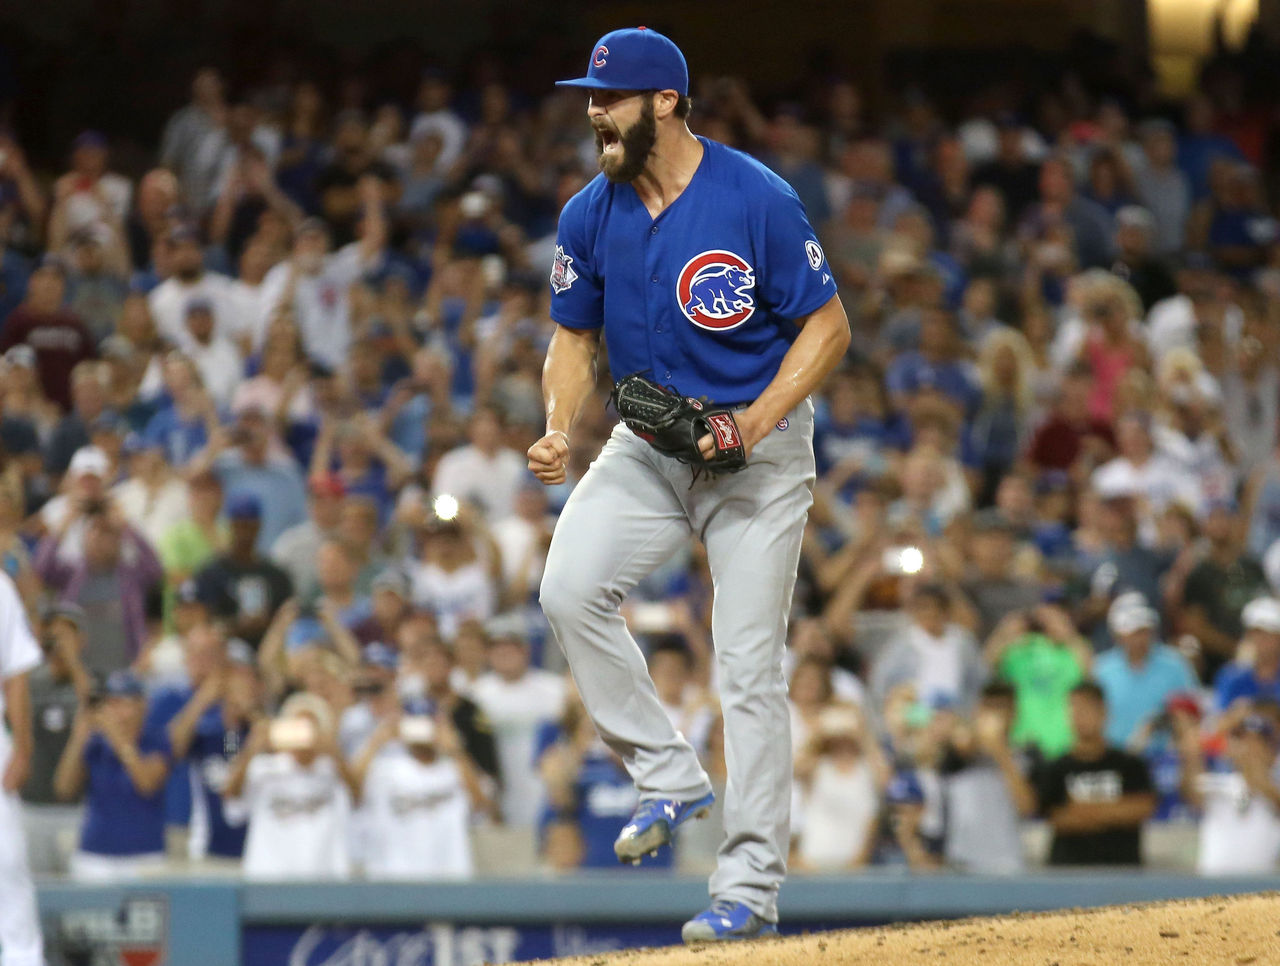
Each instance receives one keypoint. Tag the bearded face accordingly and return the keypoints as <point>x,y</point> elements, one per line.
<point>623,154</point>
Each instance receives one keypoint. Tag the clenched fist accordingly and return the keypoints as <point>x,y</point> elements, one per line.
<point>549,458</point>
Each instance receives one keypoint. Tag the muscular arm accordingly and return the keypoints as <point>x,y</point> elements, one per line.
<point>824,337</point>
<point>568,378</point>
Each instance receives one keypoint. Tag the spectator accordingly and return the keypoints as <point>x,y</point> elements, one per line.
<point>936,366</point>
<point>296,549</point>
<point>155,202</point>
<point>246,463</point>
<point>516,699</point>
<point>292,786</point>
<point>88,194</point>
<point>1218,588</point>
<point>427,669</point>
<point>1096,796</point>
<point>215,356</point>
<point>937,657</point>
<point>587,786</point>
<point>377,701</point>
<point>1161,186</point>
<point>842,775</point>
<point>97,265</point>
<point>1011,171</point>
<point>1072,438</point>
<point>1059,203</point>
<point>1135,263</point>
<point>486,472</point>
<point>152,498</point>
<point>184,425</point>
<point>88,404</point>
<point>208,732</point>
<point>419,801</point>
<point>985,789</point>
<point>1239,797</point>
<point>1001,421</point>
<point>993,584</point>
<point>1255,672</point>
<point>190,125</point>
<point>1139,674</point>
<point>457,575</point>
<point>389,607</point>
<point>315,284</point>
<point>190,282</point>
<point>241,586</point>
<point>1042,656</point>
<point>190,543</point>
<point>58,688</point>
<point>1141,472</point>
<point>110,581</point>
<point>121,769</point>
<point>59,337</point>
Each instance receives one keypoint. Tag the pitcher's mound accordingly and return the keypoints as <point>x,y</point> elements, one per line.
<point>1237,931</point>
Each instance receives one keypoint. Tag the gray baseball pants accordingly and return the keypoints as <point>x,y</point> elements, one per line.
<point>631,511</point>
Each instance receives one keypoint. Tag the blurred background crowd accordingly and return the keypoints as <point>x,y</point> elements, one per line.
<point>264,402</point>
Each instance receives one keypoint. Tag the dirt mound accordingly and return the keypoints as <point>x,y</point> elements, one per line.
<point>1235,931</point>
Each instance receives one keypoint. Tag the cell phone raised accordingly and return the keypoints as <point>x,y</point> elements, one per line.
<point>292,734</point>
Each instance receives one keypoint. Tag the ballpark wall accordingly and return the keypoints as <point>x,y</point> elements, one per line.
<point>230,923</point>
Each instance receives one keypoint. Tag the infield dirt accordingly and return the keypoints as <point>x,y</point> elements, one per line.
<point>1235,931</point>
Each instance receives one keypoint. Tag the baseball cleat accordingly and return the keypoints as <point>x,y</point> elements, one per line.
<point>653,824</point>
<point>726,921</point>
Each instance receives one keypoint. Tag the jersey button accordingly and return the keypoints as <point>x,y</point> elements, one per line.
<point>653,278</point>
<point>653,230</point>
<point>658,328</point>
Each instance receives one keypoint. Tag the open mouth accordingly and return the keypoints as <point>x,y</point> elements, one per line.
<point>608,138</point>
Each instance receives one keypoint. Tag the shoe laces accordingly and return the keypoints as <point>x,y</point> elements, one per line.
<point>723,907</point>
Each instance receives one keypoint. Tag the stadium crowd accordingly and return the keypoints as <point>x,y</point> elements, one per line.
<point>263,411</point>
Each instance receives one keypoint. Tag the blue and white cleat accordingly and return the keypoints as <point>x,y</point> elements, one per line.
<point>726,921</point>
<point>653,824</point>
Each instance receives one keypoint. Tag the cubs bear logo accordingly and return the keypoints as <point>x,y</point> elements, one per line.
<point>714,290</point>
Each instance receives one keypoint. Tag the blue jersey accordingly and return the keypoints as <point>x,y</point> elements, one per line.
<point>118,820</point>
<point>705,296</point>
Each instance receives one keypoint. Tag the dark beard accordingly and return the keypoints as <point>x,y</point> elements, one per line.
<point>637,145</point>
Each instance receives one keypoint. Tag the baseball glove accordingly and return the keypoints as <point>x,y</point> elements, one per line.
<point>672,424</point>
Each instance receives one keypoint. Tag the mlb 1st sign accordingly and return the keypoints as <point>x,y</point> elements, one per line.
<point>133,934</point>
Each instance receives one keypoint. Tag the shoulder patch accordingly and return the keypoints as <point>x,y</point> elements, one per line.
<point>813,252</point>
<point>562,274</point>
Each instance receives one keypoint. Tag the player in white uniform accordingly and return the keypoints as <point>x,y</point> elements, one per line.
<point>20,942</point>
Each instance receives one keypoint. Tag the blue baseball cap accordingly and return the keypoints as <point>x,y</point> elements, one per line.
<point>124,684</point>
<point>244,506</point>
<point>634,59</point>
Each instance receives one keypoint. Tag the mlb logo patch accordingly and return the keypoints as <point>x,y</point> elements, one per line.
<point>562,274</point>
<point>715,290</point>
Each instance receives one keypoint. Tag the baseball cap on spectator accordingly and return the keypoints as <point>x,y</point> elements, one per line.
<point>109,421</point>
<point>328,484</point>
<point>991,520</point>
<point>116,347</point>
<point>240,653</point>
<point>1135,216</point>
<point>124,684</point>
<point>1127,615</point>
<point>1262,614</point>
<point>1255,724</point>
<point>303,632</point>
<point>1183,702</point>
<point>88,461</point>
<point>244,506</point>
<point>1053,481</point>
<point>393,580</point>
<point>187,592</point>
<point>22,356</point>
<point>634,59</point>
<point>66,610</point>
<point>89,139</point>
<point>379,655</point>
<point>418,706</point>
